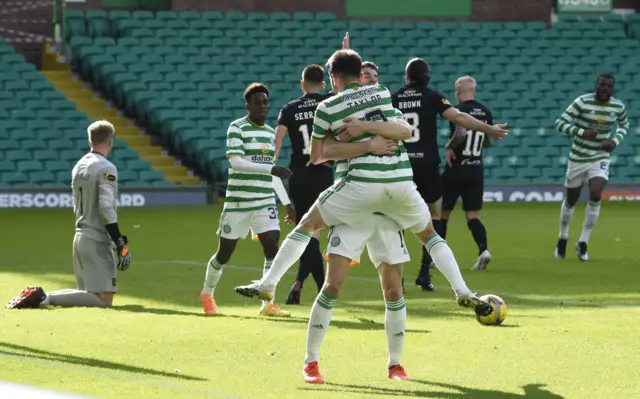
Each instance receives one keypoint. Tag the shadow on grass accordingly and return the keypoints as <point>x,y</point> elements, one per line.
<point>532,391</point>
<point>24,351</point>
<point>360,324</point>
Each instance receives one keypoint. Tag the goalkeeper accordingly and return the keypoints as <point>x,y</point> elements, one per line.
<point>94,184</point>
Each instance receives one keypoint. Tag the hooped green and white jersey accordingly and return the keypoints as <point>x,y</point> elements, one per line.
<point>370,103</point>
<point>250,191</point>
<point>586,112</point>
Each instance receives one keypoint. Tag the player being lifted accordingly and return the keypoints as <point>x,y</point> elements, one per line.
<point>420,106</point>
<point>463,174</point>
<point>382,184</point>
<point>308,180</point>
<point>589,121</point>
<point>95,189</point>
<point>249,202</point>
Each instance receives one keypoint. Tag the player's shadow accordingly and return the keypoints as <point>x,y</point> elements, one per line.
<point>19,351</point>
<point>360,324</point>
<point>531,391</point>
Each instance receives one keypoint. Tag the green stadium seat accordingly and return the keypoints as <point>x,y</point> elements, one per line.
<point>13,178</point>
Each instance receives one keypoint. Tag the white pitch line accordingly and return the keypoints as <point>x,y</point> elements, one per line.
<point>86,370</point>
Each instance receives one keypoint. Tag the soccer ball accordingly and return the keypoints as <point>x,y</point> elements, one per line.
<point>499,313</point>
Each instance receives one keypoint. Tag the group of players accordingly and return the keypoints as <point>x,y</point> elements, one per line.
<point>385,154</point>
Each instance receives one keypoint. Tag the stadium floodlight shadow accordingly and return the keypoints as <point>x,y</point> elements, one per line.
<point>531,391</point>
<point>19,351</point>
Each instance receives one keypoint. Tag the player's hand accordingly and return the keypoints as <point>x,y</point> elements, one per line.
<point>498,131</point>
<point>381,146</point>
<point>291,214</point>
<point>124,257</point>
<point>450,156</point>
<point>351,129</point>
<point>345,42</point>
<point>279,171</point>
<point>608,145</point>
<point>590,134</point>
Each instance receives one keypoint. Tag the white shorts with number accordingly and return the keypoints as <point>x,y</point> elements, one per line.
<point>350,202</point>
<point>236,224</point>
<point>579,173</point>
<point>383,237</point>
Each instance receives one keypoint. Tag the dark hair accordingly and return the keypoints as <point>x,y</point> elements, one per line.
<point>418,71</point>
<point>606,75</point>
<point>255,88</point>
<point>345,63</point>
<point>369,64</point>
<point>313,73</point>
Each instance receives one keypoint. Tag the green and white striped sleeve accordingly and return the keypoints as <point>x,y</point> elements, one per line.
<point>623,126</point>
<point>235,144</point>
<point>566,122</point>
<point>321,124</point>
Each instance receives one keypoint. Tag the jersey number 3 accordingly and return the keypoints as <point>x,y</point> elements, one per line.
<point>473,144</point>
<point>414,120</point>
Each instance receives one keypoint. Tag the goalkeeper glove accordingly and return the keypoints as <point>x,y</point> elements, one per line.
<point>124,257</point>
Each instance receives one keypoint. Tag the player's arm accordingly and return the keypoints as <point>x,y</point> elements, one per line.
<point>281,130</point>
<point>393,127</point>
<point>235,152</point>
<point>565,124</point>
<point>488,141</point>
<point>623,126</point>
<point>338,150</point>
<point>465,120</point>
<point>107,193</point>
<point>458,136</point>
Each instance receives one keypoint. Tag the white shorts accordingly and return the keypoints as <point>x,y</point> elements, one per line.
<point>382,236</point>
<point>349,202</point>
<point>236,224</point>
<point>579,173</point>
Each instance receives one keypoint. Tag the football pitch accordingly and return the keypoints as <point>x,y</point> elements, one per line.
<point>572,329</point>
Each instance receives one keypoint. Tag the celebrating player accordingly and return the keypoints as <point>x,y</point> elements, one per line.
<point>373,183</point>
<point>249,202</point>
<point>369,73</point>
<point>94,185</point>
<point>385,243</point>
<point>463,175</point>
<point>421,105</point>
<point>308,180</point>
<point>589,121</point>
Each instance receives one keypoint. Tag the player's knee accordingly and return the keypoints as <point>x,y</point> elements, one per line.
<point>435,208</point>
<point>311,222</point>
<point>424,235</point>
<point>595,196</point>
<point>393,293</point>
<point>332,288</point>
<point>472,215</point>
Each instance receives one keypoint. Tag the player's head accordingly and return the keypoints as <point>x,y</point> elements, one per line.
<point>465,88</point>
<point>369,73</point>
<point>417,72</point>
<point>312,79</point>
<point>604,87</point>
<point>101,135</point>
<point>344,67</point>
<point>256,101</point>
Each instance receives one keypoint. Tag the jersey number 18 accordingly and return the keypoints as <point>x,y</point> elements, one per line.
<point>473,144</point>
<point>306,139</point>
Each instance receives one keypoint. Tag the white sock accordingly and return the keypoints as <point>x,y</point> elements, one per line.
<point>265,269</point>
<point>395,321</point>
<point>446,263</point>
<point>214,272</point>
<point>289,253</point>
<point>318,325</point>
<point>566,213</point>
<point>590,218</point>
<point>71,298</point>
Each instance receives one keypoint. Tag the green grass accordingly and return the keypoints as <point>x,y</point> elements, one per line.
<point>572,330</point>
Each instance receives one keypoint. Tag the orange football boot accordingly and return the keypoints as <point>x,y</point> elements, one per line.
<point>397,373</point>
<point>311,374</point>
<point>208,303</point>
<point>272,310</point>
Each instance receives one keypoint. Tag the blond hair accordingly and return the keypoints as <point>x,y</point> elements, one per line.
<point>465,83</point>
<point>100,131</point>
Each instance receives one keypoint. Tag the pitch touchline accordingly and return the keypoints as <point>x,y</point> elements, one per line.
<point>558,300</point>
<point>158,384</point>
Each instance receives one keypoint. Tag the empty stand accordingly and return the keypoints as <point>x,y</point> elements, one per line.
<point>182,74</point>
